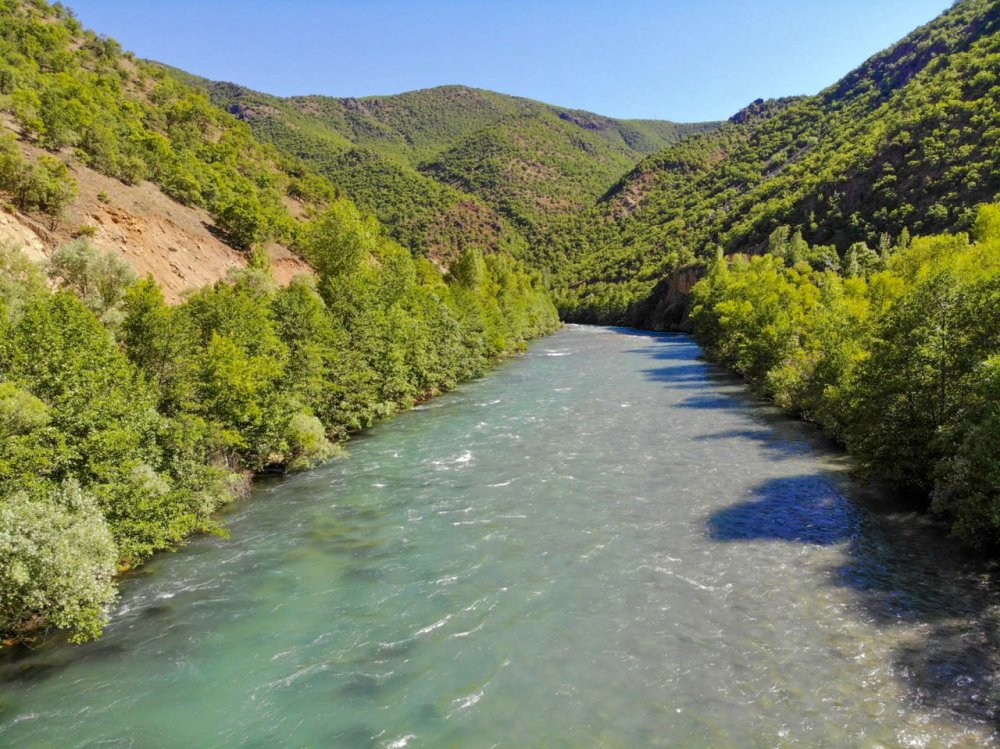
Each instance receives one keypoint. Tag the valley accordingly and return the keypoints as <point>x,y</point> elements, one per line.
<point>375,420</point>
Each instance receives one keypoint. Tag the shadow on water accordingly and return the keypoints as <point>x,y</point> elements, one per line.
<point>767,438</point>
<point>903,570</point>
<point>803,509</point>
<point>21,664</point>
<point>900,567</point>
<point>679,374</point>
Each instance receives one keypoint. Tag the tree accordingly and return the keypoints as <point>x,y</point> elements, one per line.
<point>469,270</point>
<point>243,220</point>
<point>968,480</point>
<point>161,342</point>
<point>57,562</point>
<point>339,240</point>
<point>21,279</point>
<point>798,249</point>
<point>100,279</point>
<point>777,241</point>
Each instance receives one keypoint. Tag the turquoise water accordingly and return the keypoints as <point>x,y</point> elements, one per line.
<point>604,543</point>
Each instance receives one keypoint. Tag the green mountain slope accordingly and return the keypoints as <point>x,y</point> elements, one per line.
<point>429,217</point>
<point>450,167</point>
<point>417,126</point>
<point>911,139</point>
<point>537,166</point>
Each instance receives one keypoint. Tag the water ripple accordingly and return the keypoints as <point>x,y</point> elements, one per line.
<point>605,543</point>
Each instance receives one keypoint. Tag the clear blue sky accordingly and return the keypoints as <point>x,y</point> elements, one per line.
<point>683,60</point>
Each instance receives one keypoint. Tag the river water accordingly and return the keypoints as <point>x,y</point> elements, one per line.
<point>606,542</point>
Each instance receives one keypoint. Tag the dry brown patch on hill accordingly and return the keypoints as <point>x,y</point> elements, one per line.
<point>156,235</point>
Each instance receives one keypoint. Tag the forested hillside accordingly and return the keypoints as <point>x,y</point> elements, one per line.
<point>83,101</point>
<point>434,219</point>
<point>125,421</point>
<point>453,166</point>
<point>367,253</point>
<point>419,125</point>
<point>910,140</point>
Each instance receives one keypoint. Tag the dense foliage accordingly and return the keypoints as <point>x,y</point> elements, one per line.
<point>77,95</point>
<point>417,126</point>
<point>427,216</point>
<point>43,185</point>
<point>908,140</point>
<point>124,422</point>
<point>453,166</point>
<point>533,168</point>
<point>897,354</point>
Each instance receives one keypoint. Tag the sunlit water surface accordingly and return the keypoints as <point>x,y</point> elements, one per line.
<point>603,543</point>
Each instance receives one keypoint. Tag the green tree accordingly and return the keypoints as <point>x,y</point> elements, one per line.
<point>100,279</point>
<point>57,561</point>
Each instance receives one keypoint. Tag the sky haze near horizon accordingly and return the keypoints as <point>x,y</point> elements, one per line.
<point>671,59</point>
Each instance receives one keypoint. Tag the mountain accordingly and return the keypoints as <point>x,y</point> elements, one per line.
<point>97,144</point>
<point>453,166</point>
<point>909,140</point>
<point>183,306</point>
<point>419,125</point>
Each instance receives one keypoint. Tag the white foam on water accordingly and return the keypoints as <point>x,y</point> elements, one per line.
<point>431,627</point>
<point>464,703</point>
<point>466,633</point>
<point>401,742</point>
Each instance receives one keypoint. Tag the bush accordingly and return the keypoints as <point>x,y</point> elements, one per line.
<point>242,220</point>
<point>307,442</point>
<point>45,185</point>
<point>100,279</point>
<point>20,278</point>
<point>57,561</point>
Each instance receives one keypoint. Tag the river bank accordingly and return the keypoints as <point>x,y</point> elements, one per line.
<point>607,537</point>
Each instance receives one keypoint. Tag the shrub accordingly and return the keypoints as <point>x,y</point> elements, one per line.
<point>100,279</point>
<point>307,442</point>
<point>20,277</point>
<point>242,220</point>
<point>44,185</point>
<point>57,561</point>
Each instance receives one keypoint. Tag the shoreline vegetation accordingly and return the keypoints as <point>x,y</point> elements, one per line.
<point>125,422</point>
<point>895,354</point>
<point>131,410</point>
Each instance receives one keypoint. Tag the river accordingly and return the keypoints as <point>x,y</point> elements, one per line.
<point>606,542</point>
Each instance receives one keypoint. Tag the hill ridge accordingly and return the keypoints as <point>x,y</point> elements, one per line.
<point>906,140</point>
<point>396,156</point>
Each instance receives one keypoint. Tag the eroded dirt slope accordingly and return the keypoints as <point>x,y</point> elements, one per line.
<point>156,235</point>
